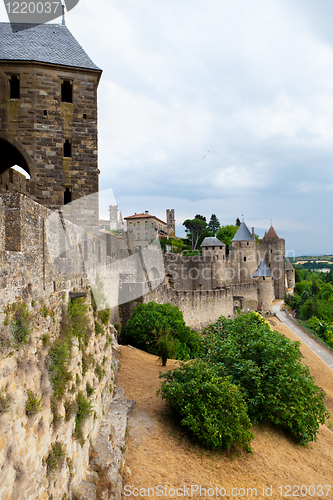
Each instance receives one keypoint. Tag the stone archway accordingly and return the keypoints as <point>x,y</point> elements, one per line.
<point>12,153</point>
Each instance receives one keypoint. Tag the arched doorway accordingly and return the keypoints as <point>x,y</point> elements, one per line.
<point>15,167</point>
<point>12,154</point>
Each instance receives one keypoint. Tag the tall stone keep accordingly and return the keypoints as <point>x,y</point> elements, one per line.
<point>48,112</point>
<point>171,222</point>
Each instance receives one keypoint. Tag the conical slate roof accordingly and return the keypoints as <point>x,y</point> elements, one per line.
<point>243,234</point>
<point>262,270</point>
<point>212,242</point>
<point>289,266</point>
<point>271,233</point>
<point>48,43</point>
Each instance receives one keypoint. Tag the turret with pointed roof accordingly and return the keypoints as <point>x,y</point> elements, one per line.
<point>243,234</point>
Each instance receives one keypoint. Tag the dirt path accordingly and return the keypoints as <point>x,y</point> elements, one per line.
<point>160,454</point>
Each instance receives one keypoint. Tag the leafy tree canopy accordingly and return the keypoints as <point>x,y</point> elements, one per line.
<point>160,329</point>
<point>195,231</point>
<point>266,366</point>
<point>226,234</point>
<point>210,406</point>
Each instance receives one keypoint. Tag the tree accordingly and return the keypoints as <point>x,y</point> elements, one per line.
<point>226,234</point>
<point>267,367</point>
<point>195,229</point>
<point>201,217</point>
<point>160,329</point>
<point>213,224</point>
<point>210,406</point>
<point>238,222</point>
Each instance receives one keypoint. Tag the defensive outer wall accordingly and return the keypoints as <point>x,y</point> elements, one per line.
<point>43,275</point>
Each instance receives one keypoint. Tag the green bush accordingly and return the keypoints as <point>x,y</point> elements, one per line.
<point>211,407</point>
<point>266,366</point>
<point>160,329</point>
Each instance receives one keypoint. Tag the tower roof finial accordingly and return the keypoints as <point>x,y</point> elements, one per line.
<point>63,15</point>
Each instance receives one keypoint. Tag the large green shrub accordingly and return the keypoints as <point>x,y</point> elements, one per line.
<point>160,329</point>
<point>266,366</point>
<point>211,407</point>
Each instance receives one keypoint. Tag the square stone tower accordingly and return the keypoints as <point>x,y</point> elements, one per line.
<point>48,112</point>
<point>171,222</point>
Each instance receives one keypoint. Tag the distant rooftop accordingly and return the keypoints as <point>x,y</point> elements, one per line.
<point>289,266</point>
<point>210,241</point>
<point>271,233</point>
<point>243,234</point>
<point>145,215</point>
<point>48,43</point>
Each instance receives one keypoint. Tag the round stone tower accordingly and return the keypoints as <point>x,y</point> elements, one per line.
<point>244,253</point>
<point>290,274</point>
<point>48,112</point>
<point>265,287</point>
<point>272,249</point>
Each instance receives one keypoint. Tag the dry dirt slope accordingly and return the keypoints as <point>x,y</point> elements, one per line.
<point>159,454</point>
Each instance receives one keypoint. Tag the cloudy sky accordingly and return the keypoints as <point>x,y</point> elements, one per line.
<point>217,106</point>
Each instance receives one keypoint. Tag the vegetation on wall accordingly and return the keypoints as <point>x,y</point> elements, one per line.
<point>83,412</point>
<point>19,318</point>
<point>34,404</point>
<point>55,459</point>
<point>74,324</point>
<point>160,329</point>
<point>4,401</point>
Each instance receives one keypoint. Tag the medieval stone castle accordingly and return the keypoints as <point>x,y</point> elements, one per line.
<point>48,127</point>
<point>52,253</point>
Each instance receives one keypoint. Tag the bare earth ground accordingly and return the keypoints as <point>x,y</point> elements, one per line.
<point>159,453</point>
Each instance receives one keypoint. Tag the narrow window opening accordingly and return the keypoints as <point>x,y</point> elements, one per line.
<point>14,87</point>
<point>67,149</point>
<point>66,91</point>
<point>45,112</point>
<point>54,286</point>
<point>244,259</point>
<point>67,196</point>
<point>84,116</point>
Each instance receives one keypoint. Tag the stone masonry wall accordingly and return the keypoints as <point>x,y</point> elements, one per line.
<point>38,124</point>
<point>26,441</point>
<point>42,269</point>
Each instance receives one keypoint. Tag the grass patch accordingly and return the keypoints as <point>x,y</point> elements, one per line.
<point>90,390</point>
<point>55,459</point>
<point>33,404</point>
<point>4,401</point>
<point>70,409</point>
<point>19,317</point>
<point>99,372</point>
